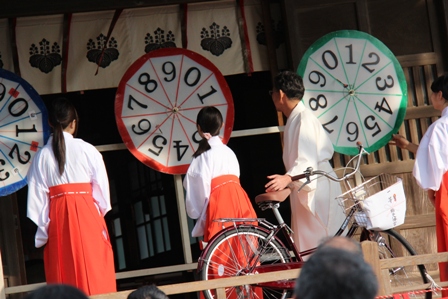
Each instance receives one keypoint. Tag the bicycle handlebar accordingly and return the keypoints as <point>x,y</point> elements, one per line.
<point>310,172</point>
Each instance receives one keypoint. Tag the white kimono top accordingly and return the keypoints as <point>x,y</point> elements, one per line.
<point>431,161</point>
<point>84,164</point>
<point>219,160</point>
<point>315,211</point>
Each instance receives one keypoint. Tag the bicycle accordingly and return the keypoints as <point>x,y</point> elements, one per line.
<point>245,248</point>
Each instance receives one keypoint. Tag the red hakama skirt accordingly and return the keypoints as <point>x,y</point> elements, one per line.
<point>228,200</point>
<point>78,251</point>
<point>442,226</point>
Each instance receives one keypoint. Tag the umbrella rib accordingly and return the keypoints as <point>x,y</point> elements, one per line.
<point>148,97</point>
<point>200,85</point>
<point>160,82</point>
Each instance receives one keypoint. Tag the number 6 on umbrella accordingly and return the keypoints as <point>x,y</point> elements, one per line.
<point>156,105</point>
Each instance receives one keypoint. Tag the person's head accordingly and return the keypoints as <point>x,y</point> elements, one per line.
<point>336,273</point>
<point>147,292</point>
<point>342,243</point>
<point>290,83</point>
<point>57,291</point>
<point>62,117</point>
<point>439,96</point>
<point>287,91</point>
<point>208,122</point>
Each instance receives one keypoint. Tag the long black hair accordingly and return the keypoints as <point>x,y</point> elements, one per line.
<point>62,113</point>
<point>210,120</point>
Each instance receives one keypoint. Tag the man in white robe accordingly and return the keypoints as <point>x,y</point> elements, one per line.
<point>315,211</point>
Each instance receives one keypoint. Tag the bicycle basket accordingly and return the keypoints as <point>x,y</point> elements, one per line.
<point>380,202</point>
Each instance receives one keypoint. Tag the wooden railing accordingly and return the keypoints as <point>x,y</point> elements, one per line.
<point>370,251</point>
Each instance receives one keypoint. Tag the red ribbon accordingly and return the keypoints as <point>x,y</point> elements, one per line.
<point>109,33</point>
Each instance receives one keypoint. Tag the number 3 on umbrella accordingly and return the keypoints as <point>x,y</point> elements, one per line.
<point>157,102</point>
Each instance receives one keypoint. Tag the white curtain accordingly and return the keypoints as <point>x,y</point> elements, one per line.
<point>39,47</point>
<point>212,30</point>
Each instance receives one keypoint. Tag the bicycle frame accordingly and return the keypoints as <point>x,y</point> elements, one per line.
<point>288,257</point>
<point>273,230</point>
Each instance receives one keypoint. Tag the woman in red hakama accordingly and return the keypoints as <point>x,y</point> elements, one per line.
<point>68,196</point>
<point>441,208</point>
<point>431,165</point>
<point>213,188</point>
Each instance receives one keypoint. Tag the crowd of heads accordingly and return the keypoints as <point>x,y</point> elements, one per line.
<point>64,291</point>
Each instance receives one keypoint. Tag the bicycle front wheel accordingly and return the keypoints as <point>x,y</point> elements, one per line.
<point>391,244</point>
<point>236,252</point>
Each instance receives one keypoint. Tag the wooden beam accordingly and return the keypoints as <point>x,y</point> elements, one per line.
<point>155,271</point>
<point>421,112</point>
<point>26,8</point>
<point>417,59</point>
<point>418,221</point>
<point>414,260</point>
<point>372,170</point>
<point>195,286</point>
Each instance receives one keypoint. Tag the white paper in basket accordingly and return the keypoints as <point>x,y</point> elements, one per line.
<point>387,208</point>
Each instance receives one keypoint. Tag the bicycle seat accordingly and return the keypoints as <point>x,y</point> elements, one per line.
<point>278,196</point>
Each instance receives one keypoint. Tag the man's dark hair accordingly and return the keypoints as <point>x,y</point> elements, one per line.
<point>290,83</point>
<point>441,84</point>
<point>337,274</point>
<point>147,292</point>
<point>57,291</point>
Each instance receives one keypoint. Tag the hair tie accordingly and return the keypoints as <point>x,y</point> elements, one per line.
<point>207,135</point>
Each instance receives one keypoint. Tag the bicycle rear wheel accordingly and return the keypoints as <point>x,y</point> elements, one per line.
<point>392,244</point>
<point>236,252</point>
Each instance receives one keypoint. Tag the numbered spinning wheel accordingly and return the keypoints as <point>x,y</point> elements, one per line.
<point>356,88</point>
<point>157,102</point>
<point>24,130</point>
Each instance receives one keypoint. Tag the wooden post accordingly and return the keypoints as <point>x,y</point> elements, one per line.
<point>185,234</point>
<point>370,251</point>
<point>221,293</point>
<point>2,280</point>
<point>272,51</point>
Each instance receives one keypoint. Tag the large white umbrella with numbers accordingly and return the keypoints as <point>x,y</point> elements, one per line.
<point>157,102</point>
<point>24,130</point>
<point>356,88</point>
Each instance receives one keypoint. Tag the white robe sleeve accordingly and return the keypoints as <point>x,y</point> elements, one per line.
<point>197,186</point>
<point>307,146</point>
<point>100,184</point>
<point>431,161</point>
<point>38,203</point>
